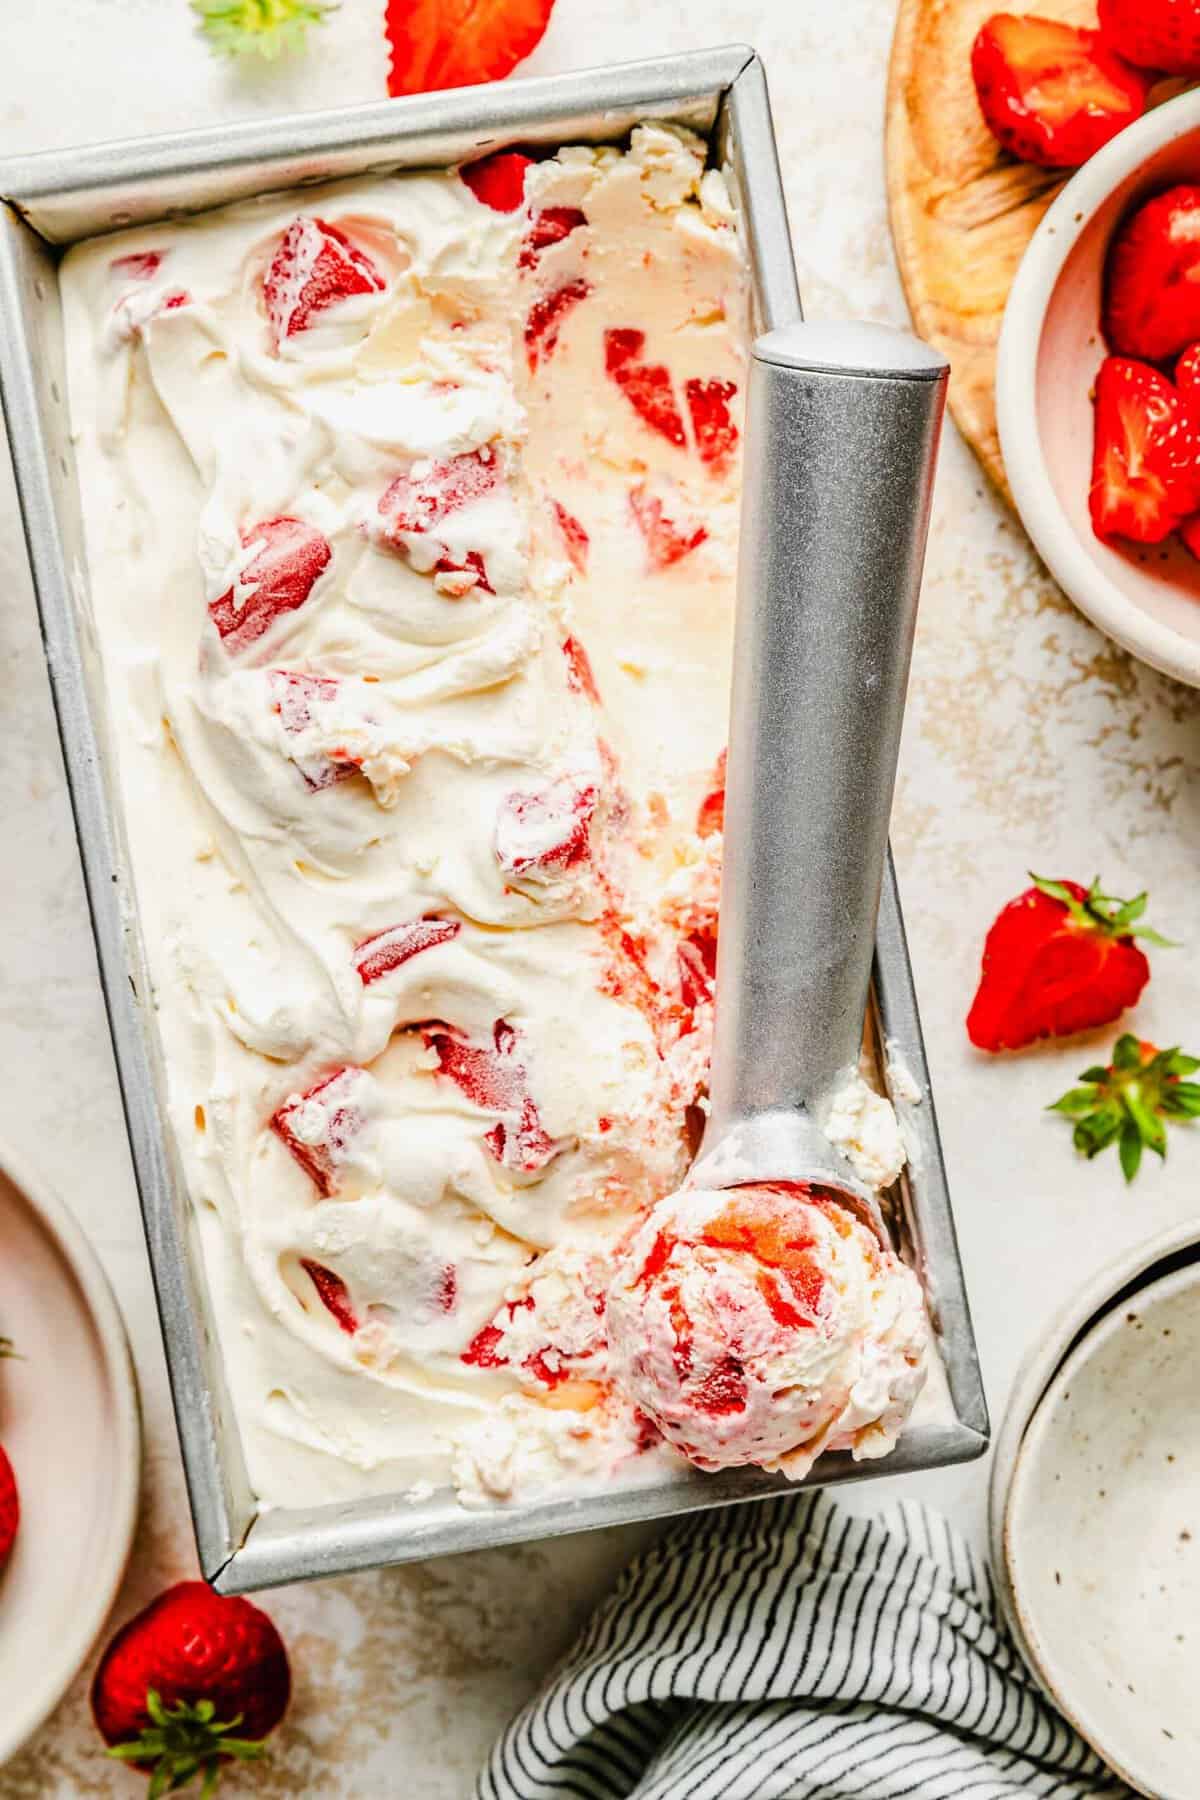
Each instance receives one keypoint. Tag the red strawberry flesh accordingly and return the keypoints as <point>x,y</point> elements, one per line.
<point>495,1079</point>
<point>1155,34</point>
<point>315,266</point>
<point>498,181</point>
<point>666,541</point>
<point>289,557</point>
<point>332,1104</point>
<point>333,1295</point>
<point>139,265</point>
<point>580,678</point>
<point>647,386</point>
<point>388,950</point>
<point>1152,278</point>
<point>547,228</point>
<point>575,538</point>
<point>10,1507</point>
<point>547,830</point>
<point>1146,454</point>
<point>544,320</point>
<point>711,817</point>
<point>715,433</point>
<point>1052,93</point>
<point>456,43</point>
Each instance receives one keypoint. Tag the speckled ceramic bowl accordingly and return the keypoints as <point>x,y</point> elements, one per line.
<point>69,1421</point>
<point>1102,1537</point>
<point>1146,597</point>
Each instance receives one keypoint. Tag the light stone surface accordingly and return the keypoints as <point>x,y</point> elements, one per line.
<point>1031,742</point>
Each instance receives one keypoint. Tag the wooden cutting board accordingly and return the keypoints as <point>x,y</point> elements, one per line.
<point>962,210</point>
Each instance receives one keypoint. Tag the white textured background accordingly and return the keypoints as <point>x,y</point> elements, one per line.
<point>1031,742</point>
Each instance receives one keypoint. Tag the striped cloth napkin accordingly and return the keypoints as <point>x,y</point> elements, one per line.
<point>792,1651</point>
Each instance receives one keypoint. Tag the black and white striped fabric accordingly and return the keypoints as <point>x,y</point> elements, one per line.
<point>792,1651</point>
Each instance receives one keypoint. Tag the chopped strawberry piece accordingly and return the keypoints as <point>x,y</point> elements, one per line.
<point>1059,959</point>
<point>723,1389</point>
<point>1146,456</point>
<point>546,831</point>
<point>580,678</point>
<point>1155,34</point>
<point>495,1079</point>
<point>711,817</point>
<point>315,266</point>
<point>548,227</point>
<point>1152,278</point>
<point>647,386</point>
<point>456,43</point>
<point>288,557</point>
<point>545,319</point>
<point>295,694</point>
<point>715,433</point>
<point>482,1351</point>
<point>697,954</point>
<point>319,1126</point>
<point>472,568</point>
<point>388,950</point>
<point>666,541</point>
<point>10,1508</point>
<point>1052,93</point>
<point>574,537</point>
<point>446,1293</point>
<point>417,503</point>
<point>498,181</point>
<point>333,1294</point>
<point>770,1225</point>
<point>139,265</point>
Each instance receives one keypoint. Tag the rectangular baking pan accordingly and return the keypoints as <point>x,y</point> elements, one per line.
<point>51,201</point>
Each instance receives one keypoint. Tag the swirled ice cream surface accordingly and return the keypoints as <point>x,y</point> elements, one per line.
<point>411,527</point>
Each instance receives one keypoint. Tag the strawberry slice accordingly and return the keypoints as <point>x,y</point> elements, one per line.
<point>288,557</point>
<point>544,320</point>
<point>10,1508</point>
<point>711,817</point>
<point>414,505</point>
<point>697,958</point>
<point>456,43</point>
<point>1152,278</point>
<point>1059,959</point>
<point>495,1079</point>
<point>1146,456</point>
<point>333,1294</point>
<point>315,266</point>
<point>1155,34</point>
<point>574,536</point>
<point>377,956</point>
<point>294,695</point>
<point>580,678</point>
<point>546,832</point>
<point>715,433</point>
<point>1131,1100</point>
<point>498,181</point>
<point>319,1126</point>
<point>549,227</point>
<point>666,542</point>
<point>647,386</point>
<point>1051,93</point>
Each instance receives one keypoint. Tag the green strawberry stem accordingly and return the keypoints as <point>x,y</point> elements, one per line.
<point>183,1741</point>
<point>1129,1101</point>
<point>1099,911</point>
<point>267,28</point>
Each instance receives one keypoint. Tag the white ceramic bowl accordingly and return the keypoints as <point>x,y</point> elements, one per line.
<point>1102,1537</point>
<point>1146,597</point>
<point>69,1421</point>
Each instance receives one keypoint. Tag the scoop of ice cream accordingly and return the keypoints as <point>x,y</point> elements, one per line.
<point>766,1325</point>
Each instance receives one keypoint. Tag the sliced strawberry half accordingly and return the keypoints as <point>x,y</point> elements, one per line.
<point>546,832</point>
<point>333,1294</point>
<point>666,540</point>
<point>294,695</point>
<point>1053,94</point>
<point>549,227</point>
<point>494,1077</point>
<point>544,320</point>
<point>457,43</point>
<point>648,387</point>
<point>498,181</point>
<point>1152,278</point>
<point>575,539</point>
<point>320,1126</point>
<point>315,266</point>
<point>1059,959</point>
<point>288,557</point>
<point>388,950</point>
<point>1146,454</point>
<point>713,428</point>
<point>580,678</point>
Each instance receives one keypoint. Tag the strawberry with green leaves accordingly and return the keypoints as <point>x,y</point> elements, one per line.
<point>1129,1101</point>
<point>1059,959</point>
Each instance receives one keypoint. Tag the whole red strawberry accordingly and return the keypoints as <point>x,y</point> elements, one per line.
<point>181,1677</point>
<point>1053,93</point>
<point>1155,34</point>
<point>1146,454</point>
<point>10,1507</point>
<point>1060,958</point>
<point>1152,277</point>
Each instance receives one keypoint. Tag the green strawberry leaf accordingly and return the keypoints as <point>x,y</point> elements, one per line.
<point>267,28</point>
<point>1099,911</point>
<point>1130,1101</point>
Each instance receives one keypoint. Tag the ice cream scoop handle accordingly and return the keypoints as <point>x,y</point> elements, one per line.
<point>841,441</point>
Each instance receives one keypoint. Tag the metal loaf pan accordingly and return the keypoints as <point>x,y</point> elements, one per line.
<point>57,198</point>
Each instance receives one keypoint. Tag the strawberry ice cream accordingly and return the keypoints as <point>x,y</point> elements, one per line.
<point>766,1325</point>
<point>411,510</point>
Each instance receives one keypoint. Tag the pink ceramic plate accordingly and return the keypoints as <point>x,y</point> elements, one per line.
<point>69,1421</point>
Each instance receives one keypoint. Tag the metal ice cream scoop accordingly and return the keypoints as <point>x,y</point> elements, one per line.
<point>842,431</point>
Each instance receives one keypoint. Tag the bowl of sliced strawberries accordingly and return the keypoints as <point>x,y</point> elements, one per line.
<point>1098,374</point>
